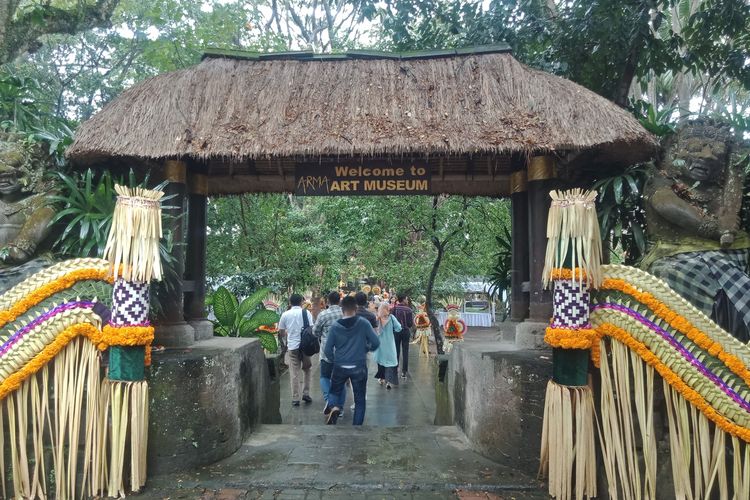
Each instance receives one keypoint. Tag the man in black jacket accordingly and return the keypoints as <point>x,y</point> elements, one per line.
<point>363,311</point>
<point>403,313</point>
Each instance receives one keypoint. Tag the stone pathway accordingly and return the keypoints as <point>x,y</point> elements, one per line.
<point>397,454</point>
<point>309,461</point>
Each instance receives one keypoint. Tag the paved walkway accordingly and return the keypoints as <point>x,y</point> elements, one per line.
<point>398,454</point>
<point>412,402</point>
<point>318,461</point>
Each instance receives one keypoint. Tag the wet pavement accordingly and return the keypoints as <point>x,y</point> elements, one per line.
<point>318,461</point>
<point>398,454</point>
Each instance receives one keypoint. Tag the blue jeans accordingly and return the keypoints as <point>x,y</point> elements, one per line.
<point>358,377</point>
<point>325,383</point>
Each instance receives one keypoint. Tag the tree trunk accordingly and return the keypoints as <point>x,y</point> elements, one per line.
<point>428,301</point>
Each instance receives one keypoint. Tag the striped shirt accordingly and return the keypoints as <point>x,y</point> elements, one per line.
<point>323,324</point>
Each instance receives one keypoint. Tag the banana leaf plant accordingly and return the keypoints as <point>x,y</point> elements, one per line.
<point>248,318</point>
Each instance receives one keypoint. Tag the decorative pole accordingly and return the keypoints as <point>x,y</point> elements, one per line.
<point>572,264</point>
<point>133,253</point>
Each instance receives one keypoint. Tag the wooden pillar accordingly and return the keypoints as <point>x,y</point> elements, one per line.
<point>171,328</point>
<point>519,274</point>
<point>195,258</point>
<point>541,174</point>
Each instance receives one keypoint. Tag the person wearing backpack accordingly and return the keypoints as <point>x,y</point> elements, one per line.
<point>292,324</point>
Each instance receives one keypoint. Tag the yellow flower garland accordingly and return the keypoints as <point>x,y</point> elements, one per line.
<point>571,338</point>
<point>126,336</point>
<point>690,394</point>
<point>566,274</point>
<point>46,291</point>
<point>682,325</point>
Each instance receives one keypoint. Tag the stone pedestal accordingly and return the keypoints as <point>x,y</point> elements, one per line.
<point>204,400</point>
<point>174,335</point>
<point>530,335</point>
<point>497,399</point>
<point>203,329</point>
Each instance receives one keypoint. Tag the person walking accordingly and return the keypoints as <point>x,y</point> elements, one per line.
<point>290,325</point>
<point>405,316</point>
<point>322,326</point>
<point>385,356</point>
<point>364,311</point>
<point>349,340</point>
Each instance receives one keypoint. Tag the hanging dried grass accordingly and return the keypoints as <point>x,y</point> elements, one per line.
<point>568,425</point>
<point>51,412</point>
<point>129,417</point>
<point>133,241</point>
<point>627,382</point>
<point>573,228</point>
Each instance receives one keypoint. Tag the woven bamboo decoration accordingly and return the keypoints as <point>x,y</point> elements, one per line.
<point>572,263</point>
<point>133,253</point>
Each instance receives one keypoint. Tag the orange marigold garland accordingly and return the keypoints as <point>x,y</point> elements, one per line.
<point>674,380</point>
<point>571,338</point>
<point>46,355</point>
<point>48,290</point>
<point>682,325</point>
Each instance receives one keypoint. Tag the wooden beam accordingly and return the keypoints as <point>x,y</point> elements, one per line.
<point>448,184</point>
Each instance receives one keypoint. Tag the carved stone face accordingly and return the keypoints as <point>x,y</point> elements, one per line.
<point>10,174</point>
<point>700,152</point>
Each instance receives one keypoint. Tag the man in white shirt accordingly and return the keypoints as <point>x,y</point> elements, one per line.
<point>290,325</point>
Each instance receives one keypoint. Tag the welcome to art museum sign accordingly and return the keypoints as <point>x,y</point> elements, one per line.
<point>371,179</point>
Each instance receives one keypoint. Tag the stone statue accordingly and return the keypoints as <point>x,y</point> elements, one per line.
<point>24,212</point>
<point>693,200</point>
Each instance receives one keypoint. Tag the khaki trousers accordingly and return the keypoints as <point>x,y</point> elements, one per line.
<point>297,365</point>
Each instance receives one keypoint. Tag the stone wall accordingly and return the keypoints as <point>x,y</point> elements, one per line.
<point>205,399</point>
<point>497,394</point>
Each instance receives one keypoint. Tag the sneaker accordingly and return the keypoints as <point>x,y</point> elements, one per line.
<point>307,399</point>
<point>327,409</point>
<point>352,407</point>
<point>333,416</point>
<point>388,386</point>
<point>295,403</point>
<point>404,375</point>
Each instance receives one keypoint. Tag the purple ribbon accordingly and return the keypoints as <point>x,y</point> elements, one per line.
<point>680,348</point>
<point>8,345</point>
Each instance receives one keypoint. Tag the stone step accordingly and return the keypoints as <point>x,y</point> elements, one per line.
<point>345,459</point>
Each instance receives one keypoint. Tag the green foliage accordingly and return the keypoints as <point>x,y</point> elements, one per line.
<point>658,122</point>
<point>243,319</point>
<point>88,205</point>
<point>499,277</point>
<point>622,218</point>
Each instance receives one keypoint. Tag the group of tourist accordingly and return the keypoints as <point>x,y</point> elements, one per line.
<point>347,330</point>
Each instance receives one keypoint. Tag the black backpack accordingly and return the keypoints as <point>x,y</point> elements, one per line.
<point>309,344</point>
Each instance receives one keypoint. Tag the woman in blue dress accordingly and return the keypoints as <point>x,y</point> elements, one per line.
<point>385,355</point>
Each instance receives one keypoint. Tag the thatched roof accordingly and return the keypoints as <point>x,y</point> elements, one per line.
<point>251,106</point>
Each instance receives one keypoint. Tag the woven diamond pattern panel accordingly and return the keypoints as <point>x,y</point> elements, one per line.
<point>571,304</point>
<point>129,303</point>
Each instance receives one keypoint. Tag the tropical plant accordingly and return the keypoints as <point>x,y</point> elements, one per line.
<point>658,122</point>
<point>499,278</point>
<point>88,204</point>
<point>248,318</point>
<point>622,218</point>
